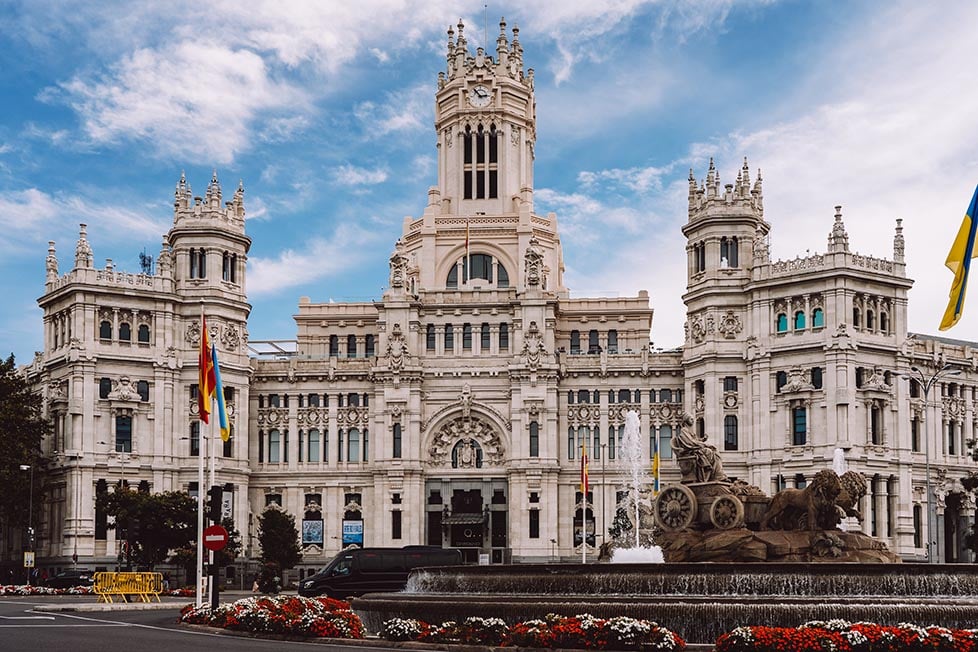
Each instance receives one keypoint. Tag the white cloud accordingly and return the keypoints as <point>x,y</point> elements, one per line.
<point>28,217</point>
<point>321,258</point>
<point>193,100</point>
<point>405,110</point>
<point>635,179</point>
<point>351,175</point>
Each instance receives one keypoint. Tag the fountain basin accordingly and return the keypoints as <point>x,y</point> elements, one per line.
<point>698,601</point>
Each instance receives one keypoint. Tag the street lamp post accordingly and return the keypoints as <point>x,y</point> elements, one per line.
<point>927,383</point>
<point>30,513</point>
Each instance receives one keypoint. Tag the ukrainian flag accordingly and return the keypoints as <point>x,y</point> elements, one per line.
<point>959,262</point>
<point>655,465</point>
<point>222,412</point>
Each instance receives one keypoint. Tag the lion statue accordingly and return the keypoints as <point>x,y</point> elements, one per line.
<point>854,488</point>
<point>805,509</point>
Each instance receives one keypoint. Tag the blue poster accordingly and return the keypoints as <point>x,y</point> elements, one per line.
<point>312,532</point>
<point>353,533</point>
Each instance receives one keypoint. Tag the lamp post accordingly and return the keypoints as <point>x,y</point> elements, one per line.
<point>927,383</point>
<point>30,513</point>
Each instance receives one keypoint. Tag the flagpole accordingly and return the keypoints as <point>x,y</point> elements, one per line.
<point>200,494</point>
<point>211,445</point>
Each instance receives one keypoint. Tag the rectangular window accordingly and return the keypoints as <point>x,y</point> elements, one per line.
<point>396,441</point>
<point>261,447</point>
<point>504,337</point>
<point>468,184</point>
<point>799,426</point>
<point>467,337</point>
<point>534,439</point>
<point>915,435</point>
<point>123,434</point>
<point>951,436</point>
<point>485,341</point>
<point>396,524</point>
<point>534,524</point>
<point>229,444</point>
<point>195,438</point>
<point>493,184</point>
<point>480,185</point>
<point>730,383</point>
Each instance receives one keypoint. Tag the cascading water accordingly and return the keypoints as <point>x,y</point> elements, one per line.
<point>840,467</point>
<point>633,459</point>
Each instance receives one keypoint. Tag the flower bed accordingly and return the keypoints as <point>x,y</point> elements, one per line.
<point>580,632</point>
<point>843,636</point>
<point>27,589</point>
<point>285,615</point>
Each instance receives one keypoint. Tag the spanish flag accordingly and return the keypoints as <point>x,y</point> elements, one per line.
<point>959,262</point>
<point>584,482</point>
<point>222,412</point>
<point>207,380</point>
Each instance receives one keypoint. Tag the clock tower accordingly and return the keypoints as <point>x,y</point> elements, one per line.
<point>485,116</point>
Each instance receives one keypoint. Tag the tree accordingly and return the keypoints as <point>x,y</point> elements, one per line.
<point>22,427</point>
<point>278,538</point>
<point>153,524</point>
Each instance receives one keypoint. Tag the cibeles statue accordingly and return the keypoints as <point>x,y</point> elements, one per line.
<point>698,461</point>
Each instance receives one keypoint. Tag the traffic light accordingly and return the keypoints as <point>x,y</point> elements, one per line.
<point>215,502</point>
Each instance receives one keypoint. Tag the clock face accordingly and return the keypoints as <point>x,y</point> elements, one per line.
<point>480,96</point>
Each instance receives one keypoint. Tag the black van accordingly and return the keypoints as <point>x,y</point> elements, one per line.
<point>369,570</point>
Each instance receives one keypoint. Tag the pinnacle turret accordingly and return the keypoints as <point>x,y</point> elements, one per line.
<point>506,61</point>
<point>51,263</point>
<point>899,246</point>
<point>838,238</point>
<point>84,257</point>
<point>737,194</point>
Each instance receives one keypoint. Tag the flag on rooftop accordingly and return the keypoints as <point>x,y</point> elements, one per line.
<point>222,412</point>
<point>959,262</point>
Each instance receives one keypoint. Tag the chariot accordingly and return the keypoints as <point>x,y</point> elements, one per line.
<point>702,505</point>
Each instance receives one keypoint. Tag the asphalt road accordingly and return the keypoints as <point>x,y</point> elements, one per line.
<point>24,630</point>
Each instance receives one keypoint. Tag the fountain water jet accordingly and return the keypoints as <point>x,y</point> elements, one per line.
<point>633,458</point>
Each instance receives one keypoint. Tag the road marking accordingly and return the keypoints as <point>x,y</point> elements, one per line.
<point>27,617</point>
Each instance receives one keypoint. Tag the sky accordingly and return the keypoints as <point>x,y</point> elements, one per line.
<point>324,110</point>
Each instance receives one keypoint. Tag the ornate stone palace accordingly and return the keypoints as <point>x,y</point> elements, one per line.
<point>453,410</point>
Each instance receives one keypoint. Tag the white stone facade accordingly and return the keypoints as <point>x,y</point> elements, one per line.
<point>453,411</point>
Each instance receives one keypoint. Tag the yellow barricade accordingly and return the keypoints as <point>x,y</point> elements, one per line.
<point>142,586</point>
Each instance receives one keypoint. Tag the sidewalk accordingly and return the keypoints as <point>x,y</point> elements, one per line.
<point>88,603</point>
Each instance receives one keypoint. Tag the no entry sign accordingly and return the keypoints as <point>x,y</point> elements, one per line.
<point>215,537</point>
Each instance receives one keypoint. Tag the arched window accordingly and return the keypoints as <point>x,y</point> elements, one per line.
<point>125,332</point>
<point>534,439</point>
<point>142,335</point>
<point>870,320</point>
<point>884,323</point>
<point>624,396</point>
<point>353,445</point>
<point>452,281</point>
<point>728,252</point>
<point>575,342</point>
<point>504,337</point>
<point>856,321</point>
<point>482,267</point>
<point>782,323</point>
<point>730,433</point>
<point>592,342</point>
<point>502,276</point>
<point>351,346</point>
<point>449,339</point>
<point>665,396</point>
<point>818,318</point>
<point>105,330</point>
<point>799,320</point>
<point>583,396</point>
<point>430,337</point>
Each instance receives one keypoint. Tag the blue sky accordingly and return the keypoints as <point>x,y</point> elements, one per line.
<point>325,110</point>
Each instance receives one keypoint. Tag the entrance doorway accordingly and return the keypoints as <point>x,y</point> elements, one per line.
<point>470,515</point>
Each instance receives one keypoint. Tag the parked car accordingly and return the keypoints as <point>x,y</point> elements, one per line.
<point>69,578</point>
<point>355,572</point>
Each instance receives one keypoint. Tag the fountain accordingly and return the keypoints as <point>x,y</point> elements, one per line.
<point>754,564</point>
<point>621,549</point>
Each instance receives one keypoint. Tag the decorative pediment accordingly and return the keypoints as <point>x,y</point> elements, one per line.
<point>460,438</point>
<point>798,381</point>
